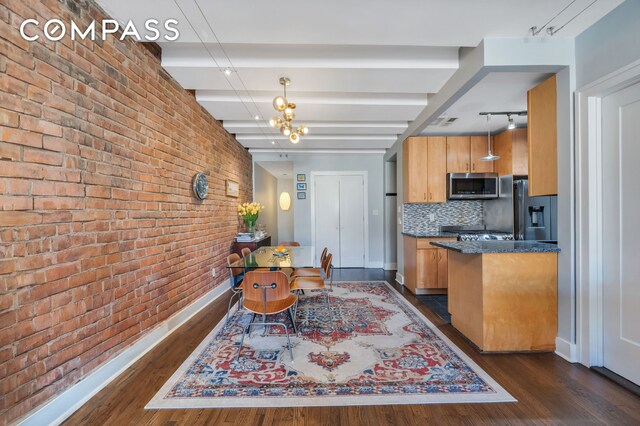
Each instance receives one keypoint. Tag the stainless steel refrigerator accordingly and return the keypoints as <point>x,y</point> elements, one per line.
<point>528,218</point>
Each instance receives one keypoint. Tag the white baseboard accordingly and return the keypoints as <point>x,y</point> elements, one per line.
<point>399,278</point>
<point>64,405</point>
<point>566,350</point>
<point>390,266</point>
<point>375,265</point>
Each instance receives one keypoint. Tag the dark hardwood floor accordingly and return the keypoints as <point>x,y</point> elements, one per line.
<point>549,390</point>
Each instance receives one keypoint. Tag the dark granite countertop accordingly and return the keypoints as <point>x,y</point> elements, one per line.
<point>477,247</point>
<point>431,234</point>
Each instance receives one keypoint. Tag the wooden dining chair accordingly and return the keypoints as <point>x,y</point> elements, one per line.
<point>236,276</point>
<point>245,251</point>
<point>268,293</point>
<point>290,244</point>
<point>315,283</point>
<point>311,272</point>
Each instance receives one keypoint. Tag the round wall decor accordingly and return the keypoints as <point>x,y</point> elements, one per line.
<point>200,186</point>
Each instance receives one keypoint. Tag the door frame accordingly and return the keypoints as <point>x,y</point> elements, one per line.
<point>365,193</point>
<point>589,214</point>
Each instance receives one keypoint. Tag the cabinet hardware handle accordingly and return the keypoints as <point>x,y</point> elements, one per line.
<point>425,195</point>
<point>473,166</point>
<point>467,167</point>
<point>430,196</point>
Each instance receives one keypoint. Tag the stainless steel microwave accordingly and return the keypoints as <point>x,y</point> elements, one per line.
<point>472,186</point>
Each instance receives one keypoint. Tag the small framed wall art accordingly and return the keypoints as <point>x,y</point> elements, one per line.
<point>232,188</point>
<point>302,195</point>
<point>301,177</point>
<point>301,186</point>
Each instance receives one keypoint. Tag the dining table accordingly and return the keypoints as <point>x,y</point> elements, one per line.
<point>268,257</point>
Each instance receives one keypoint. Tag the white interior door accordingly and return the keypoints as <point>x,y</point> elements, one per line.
<point>621,233</point>
<point>327,216</point>
<point>352,221</point>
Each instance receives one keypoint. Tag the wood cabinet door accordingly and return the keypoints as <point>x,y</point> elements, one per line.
<point>520,149</point>
<point>437,169</point>
<point>477,150</point>
<point>543,138</point>
<point>427,268</point>
<point>458,154</point>
<point>502,148</point>
<point>443,264</point>
<point>414,173</point>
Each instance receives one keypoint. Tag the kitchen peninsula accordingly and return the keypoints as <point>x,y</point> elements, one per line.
<point>503,295</point>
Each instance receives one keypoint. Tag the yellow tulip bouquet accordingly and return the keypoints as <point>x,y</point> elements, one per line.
<point>249,213</point>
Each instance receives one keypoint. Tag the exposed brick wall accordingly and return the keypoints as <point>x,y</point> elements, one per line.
<point>100,237</point>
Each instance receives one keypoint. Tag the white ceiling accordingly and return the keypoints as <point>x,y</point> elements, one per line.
<point>360,70</point>
<point>497,92</point>
<point>279,169</point>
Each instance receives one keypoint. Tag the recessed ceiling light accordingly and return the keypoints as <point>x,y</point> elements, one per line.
<point>257,117</point>
<point>227,71</point>
<point>273,142</point>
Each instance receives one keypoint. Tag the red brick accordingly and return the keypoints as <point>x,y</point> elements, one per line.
<point>19,218</point>
<point>9,151</point>
<point>15,203</point>
<point>40,126</point>
<point>98,191</point>
<point>18,186</point>
<point>42,157</point>
<point>22,137</point>
<point>58,203</point>
<point>62,271</point>
<point>8,118</point>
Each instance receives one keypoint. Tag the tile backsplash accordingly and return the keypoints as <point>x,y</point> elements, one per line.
<point>415,217</point>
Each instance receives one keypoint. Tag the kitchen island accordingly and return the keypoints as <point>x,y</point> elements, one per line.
<point>503,295</point>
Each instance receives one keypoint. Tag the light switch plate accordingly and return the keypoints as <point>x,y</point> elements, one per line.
<point>432,217</point>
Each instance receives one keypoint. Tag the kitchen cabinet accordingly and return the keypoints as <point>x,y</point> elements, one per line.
<point>477,150</point>
<point>464,153</point>
<point>505,302</point>
<point>425,266</point>
<point>458,154</point>
<point>543,138</point>
<point>424,169</point>
<point>511,146</point>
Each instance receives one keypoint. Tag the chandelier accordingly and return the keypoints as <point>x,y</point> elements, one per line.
<point>281,104</point>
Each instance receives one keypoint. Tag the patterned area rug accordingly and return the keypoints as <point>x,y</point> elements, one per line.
<point>368,346</point>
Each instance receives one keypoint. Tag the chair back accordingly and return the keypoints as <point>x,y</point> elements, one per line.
<point>235,273</point>
<point>245,251</point>
<point>265,286</point>
<point>326,268</point>
<point>323,256</point>
<point>290,244</point>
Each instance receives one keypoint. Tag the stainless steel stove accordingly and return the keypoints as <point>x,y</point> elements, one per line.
<point>477,233</point>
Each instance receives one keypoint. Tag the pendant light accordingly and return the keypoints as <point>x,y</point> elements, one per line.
<point>489,156</point>
<point>281,104</point>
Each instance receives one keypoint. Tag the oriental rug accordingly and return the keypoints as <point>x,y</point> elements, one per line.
<point>367,346</point>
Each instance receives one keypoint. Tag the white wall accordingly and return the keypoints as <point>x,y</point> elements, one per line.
<point>285,218</point>
<point>315,162</point>
<point>265,189</point>
<point>609,44</point>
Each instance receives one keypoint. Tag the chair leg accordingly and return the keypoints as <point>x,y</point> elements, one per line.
<point>293,322</point>
<point>244,332</point>
<point>253,318</point>
<point>233,294</point>
<point>288,340</point>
